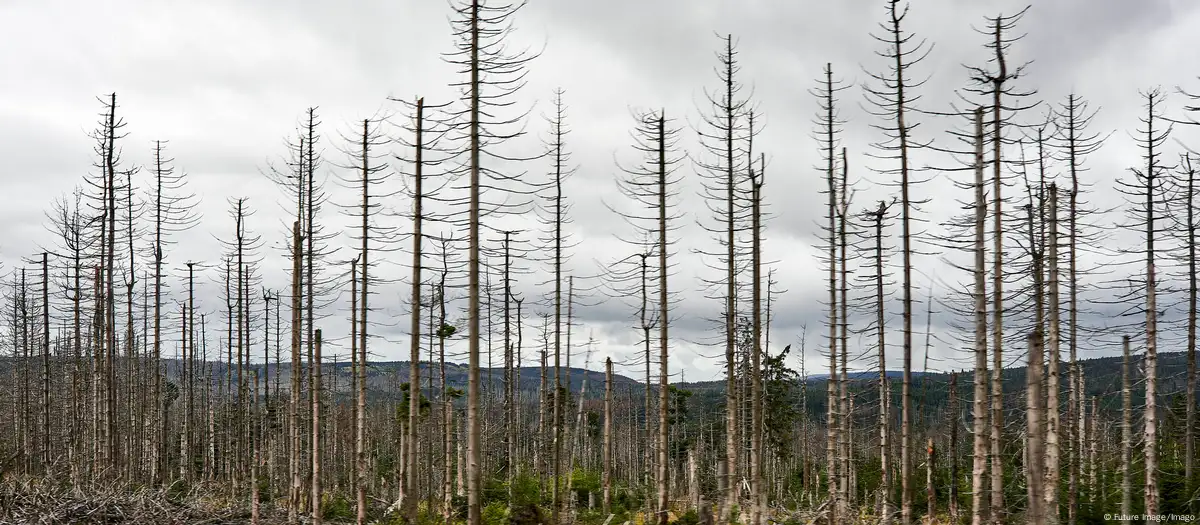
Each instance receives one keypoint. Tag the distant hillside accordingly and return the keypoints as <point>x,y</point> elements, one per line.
<point>1103,377</point>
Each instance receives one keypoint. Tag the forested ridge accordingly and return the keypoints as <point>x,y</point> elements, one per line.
<point>1002,329</point>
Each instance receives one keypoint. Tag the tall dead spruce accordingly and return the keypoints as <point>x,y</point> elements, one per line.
<point>723,187</point>
<point>993,85</point>
<point>892,102</point>
<point>1146,191</point>
<point>650,187</point>
<point>493,75</point>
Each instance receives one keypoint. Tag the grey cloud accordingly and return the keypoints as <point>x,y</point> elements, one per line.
<point>227,82</point>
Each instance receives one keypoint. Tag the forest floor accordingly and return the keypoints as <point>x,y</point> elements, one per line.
<point>31,502</point>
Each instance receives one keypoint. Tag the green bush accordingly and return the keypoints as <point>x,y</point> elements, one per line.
<point>688,518</point>
<point>525,490</point>
<point>337,507</point>
<point>495,513</point>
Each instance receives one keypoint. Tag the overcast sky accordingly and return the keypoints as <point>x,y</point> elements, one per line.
<point>226,83</point>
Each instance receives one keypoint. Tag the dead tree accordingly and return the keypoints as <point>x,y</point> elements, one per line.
<point>1146,192</point>
<point>892,99</point>
<point>980,410</point>
<point>877,219</point>
<point>650,186</point>
<point>1126,431</point>
<point>172,209</point>
<point>721,172</point>
<point>1034,454</point>
<point>828,131</point>
<point>1075,142</point>
<point>494,75</point>
<point>996,87</point>
<point>608,427</point>
<point>316,430</point>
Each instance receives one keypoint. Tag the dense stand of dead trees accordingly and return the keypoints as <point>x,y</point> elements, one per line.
<point>90,398</point>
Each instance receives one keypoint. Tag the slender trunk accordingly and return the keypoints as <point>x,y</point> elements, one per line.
<point>1052,397</point>
<point>556,499</point>
<point>1126,431</point>
<point>843,325</point>
<point>997,460</point>
<point>885,483</point>
<point>1150,430</point>
<point>447,400</point>
<point>663,320</point>
<point>1190,426</point>
<point>953,448</point>
<point>316,429</point>
<point>979,412</point>
<point>294,406</point>
<point>1093,441</point>
<point>1078,392</point>
<point>1035,408</point>
<point>110,316</point>
<point>46,460</point>
<point>474,480</point>
<point>608,427</point>
<point>758,498</point>
<point>310,229</point>
<point>255,502</point>
<point>930,497</point>
<point>831,464</point>
<point>729,481</point>
<point>408,481</point>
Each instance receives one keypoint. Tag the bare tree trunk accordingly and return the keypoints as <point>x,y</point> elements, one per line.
<point>731,407</point>
<point>1150,437</point>
<point>979,413</point>
<point>1126,432</point>
<point>360,458</point>
<point>663,319</point>
<point>474,479</point>
<point>316,429</point>
<point>360,495</point>
<point>756,450</point>
<point>1094,440</point>
<point>510,432</point>
<point>886,509</point>
<point>46,459</point>
<point>953,447</point>
<point>997,460</point>
<point>447,401</point>
<point>831,464</point>
<point>408,481</point>
<point>558,408</point>
<point>447,456</point>
<point>294,408</point>
<point>844,436</point>
<point>1034,457</point>
<point>1052,396</point>
<point>1190,398</point>
<point>255,499</point>
<point>930,497</point>
<point>543,416</point>
<point>608,428</point>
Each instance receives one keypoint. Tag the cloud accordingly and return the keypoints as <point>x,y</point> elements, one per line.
<point>226,82</point>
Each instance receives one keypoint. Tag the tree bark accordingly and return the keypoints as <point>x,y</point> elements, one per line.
<point>409,479</point>
<point>608,428</point>
<point>1126,432</point>
<point>1034,454</point>
<point>663,319</point>
<point>979,413</point>
<point>316,430</point>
